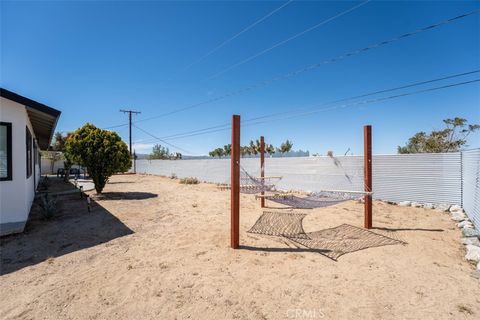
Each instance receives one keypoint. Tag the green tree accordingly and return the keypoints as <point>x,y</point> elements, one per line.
<point>227,149</point>
<point>102,152</point>
<point>218,152</point>
<point>245,150</point>
<point>270,149</point>
<point>450,139</point>
<point>285,147</point>
<point>159,152</point>
<point>59,140</point>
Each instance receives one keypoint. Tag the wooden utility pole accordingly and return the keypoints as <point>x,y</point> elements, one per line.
<point>262,169</point>
<point>130,126</point>
<point>235,184</point>
<point>367,165</point>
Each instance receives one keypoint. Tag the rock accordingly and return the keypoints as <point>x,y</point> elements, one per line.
<point>455,208</point>
<point>465,223</point>
<point>429,206</point>
<point>468,226</point>
<point>458,216</point>
<point>443,207</point>
<point>471,233</point>
<point>478,266</point>
<point>472,240</point>
<point>473,253</point>
<point>416,204</point>
<point>404,203</point>
<point>476,274</point>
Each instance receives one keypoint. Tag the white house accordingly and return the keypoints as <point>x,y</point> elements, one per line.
<point>26,127</point>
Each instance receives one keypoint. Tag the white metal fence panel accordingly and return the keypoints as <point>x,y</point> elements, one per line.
<point>471,185</point>
<point>425,178</point>
<point>302,173</point>
<point>434,178</point>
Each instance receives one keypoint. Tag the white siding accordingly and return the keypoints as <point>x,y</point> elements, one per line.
<point>16,196</point>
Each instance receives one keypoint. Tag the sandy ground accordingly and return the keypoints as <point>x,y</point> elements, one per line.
<point>156,249</point>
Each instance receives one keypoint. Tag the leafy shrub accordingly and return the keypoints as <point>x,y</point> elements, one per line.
<point>103,153</point>
<point>48,205</point>
<point>189,180</point>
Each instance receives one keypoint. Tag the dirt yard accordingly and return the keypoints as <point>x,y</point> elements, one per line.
<point>152,248</point>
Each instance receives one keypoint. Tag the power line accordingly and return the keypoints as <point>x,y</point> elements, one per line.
<point>369,101</point>
<point>316,110</point>
<point>313,66</point>
<point>239,33</point>
<point>117,126</point>
<point>161,140</point>
<point>258,54</point>
<point>226,126</point>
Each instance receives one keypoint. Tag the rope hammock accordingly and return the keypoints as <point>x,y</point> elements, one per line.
<point>253,185</point>
<point>332,242</point>
<point>323,198</point>
<point>316,200</point>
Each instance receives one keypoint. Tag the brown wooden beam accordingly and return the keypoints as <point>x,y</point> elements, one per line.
<point>262,168</point>
<point>235,184</point>
<point>367,159</point>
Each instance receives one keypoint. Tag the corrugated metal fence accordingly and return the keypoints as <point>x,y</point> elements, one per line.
<point>450,178</point>
<point>471,184</point>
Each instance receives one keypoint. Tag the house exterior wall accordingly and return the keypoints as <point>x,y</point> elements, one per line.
<point>17,195</point>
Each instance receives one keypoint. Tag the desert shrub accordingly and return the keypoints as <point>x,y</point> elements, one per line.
<point>102,152</point>
<point>48,205</point>
<point>189,180</point>
<point>44,184</point>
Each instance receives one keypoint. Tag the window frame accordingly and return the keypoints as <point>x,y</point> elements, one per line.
<point>28,152</point>
<point>9,176</point>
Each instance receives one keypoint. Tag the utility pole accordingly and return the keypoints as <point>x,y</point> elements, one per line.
<point>130,125</point>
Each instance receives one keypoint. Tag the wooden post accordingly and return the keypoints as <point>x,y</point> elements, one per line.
<point>235,184</point>
<point>262,168</point>
<point>367,159</point>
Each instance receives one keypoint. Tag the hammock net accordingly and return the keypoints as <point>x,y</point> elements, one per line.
<point>331,242</point>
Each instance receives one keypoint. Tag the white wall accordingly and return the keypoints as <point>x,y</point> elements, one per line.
<point>16,196</point>
<point>47,166</point>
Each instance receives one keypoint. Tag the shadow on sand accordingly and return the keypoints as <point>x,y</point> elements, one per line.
<point>73,228</point>
<point>407,229</point>
<point>298,250</point>
<point>124,196</point>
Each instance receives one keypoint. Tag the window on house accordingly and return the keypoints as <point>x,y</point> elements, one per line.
<point>28,144</point>
<point>35,152</point>
<point>5,151</point>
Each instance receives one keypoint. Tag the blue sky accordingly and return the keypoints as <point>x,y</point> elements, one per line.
<point>91,58</point>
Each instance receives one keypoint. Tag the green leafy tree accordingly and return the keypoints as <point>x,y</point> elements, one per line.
<point>102,152</point>
<point>270,149</point>
<point>218,152</point>
<point>450,139</point>
<point>59,140</point>
<point>285,147</point>
<point>227,149</point>
<point>245,150</point>
<point>159,152</point>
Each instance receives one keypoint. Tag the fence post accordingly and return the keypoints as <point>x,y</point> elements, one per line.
<point>367,159</point>
<point>235,184</point>
<point>262,169</point>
